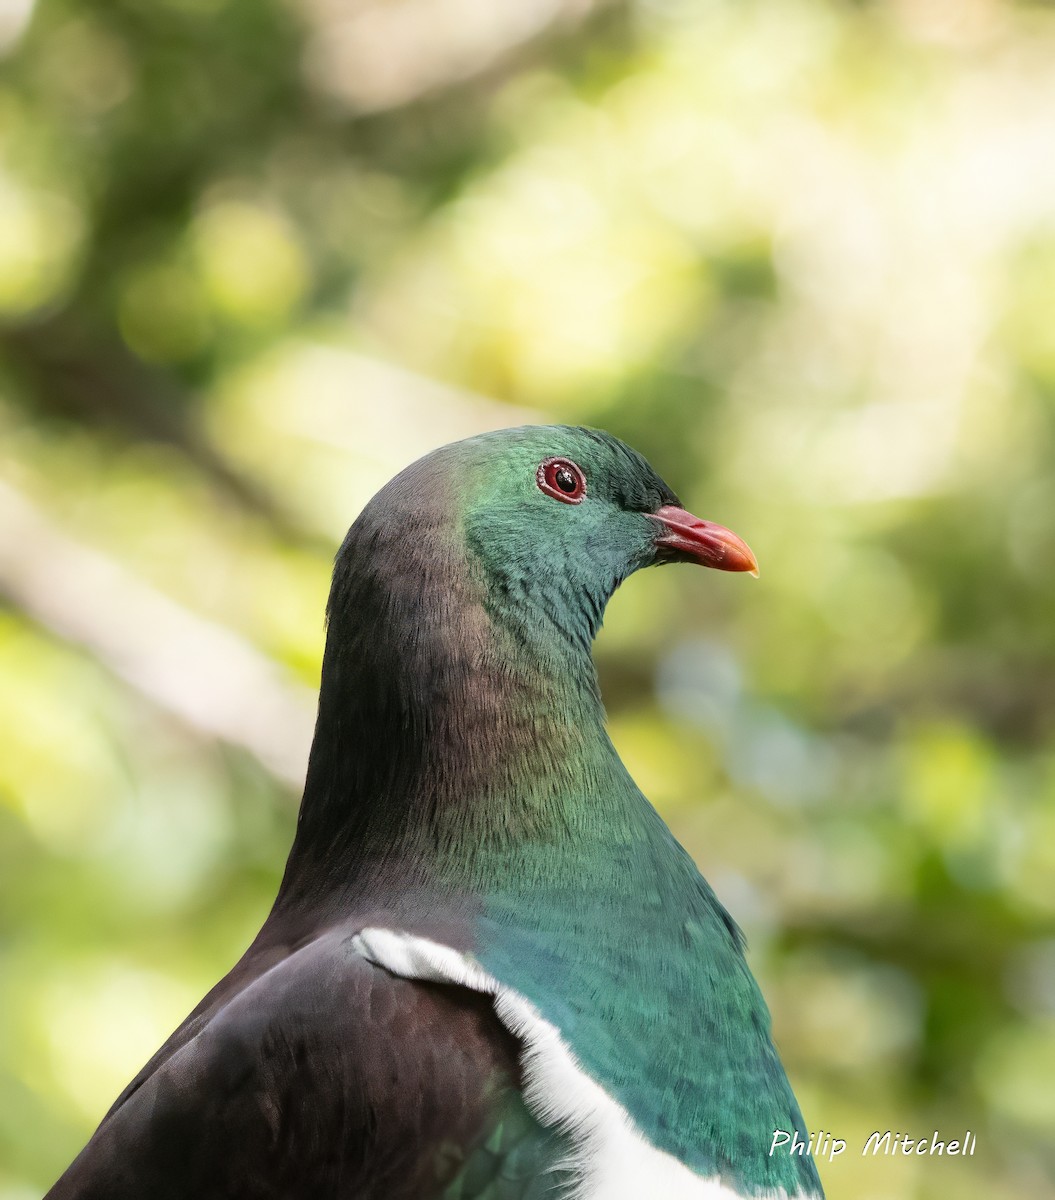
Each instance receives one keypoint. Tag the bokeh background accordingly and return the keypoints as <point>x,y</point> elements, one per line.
<point>256,255</point>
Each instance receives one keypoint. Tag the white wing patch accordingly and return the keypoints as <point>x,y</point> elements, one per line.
<point>612,1160</point>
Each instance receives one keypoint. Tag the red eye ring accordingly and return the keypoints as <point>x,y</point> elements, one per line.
<point>561,479</point>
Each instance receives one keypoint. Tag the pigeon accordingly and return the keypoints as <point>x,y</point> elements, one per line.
<point>491,972</point>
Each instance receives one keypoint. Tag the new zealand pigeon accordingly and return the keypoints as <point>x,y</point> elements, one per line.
<point>491,973</point>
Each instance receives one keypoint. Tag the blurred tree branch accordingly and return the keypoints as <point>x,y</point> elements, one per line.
<point>95,381</point>
<point>377,57</point>
<point>203,675</point>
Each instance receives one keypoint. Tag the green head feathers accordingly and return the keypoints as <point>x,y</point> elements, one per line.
<point>555,518</point>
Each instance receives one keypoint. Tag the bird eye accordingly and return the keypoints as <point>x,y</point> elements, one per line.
<point>561,479</point>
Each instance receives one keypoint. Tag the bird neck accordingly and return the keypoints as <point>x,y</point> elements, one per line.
<point>450,733</point>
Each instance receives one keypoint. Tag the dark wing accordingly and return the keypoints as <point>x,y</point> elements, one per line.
<point>326,1078</point>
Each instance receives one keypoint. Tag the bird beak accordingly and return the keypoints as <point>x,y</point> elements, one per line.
<point>685,537</point>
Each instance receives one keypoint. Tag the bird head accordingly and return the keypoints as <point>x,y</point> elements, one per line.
<point>537,525</point>
<point>557,517</point>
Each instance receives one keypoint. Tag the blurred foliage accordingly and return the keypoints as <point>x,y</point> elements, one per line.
<point>257,254</point>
